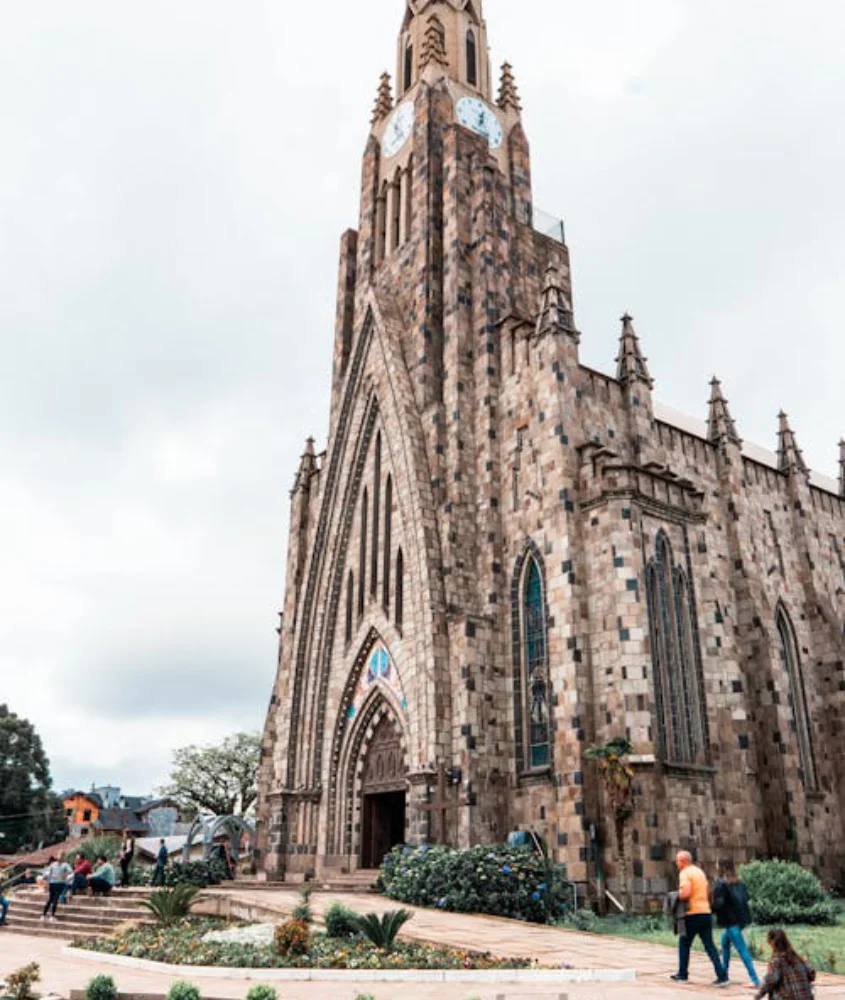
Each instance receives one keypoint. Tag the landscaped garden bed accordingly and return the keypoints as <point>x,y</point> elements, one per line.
<point>182,944</point>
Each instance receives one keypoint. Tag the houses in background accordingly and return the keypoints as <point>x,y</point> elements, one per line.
<point>105,810</point>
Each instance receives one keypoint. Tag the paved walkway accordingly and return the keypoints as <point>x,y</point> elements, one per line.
<point>549,946</point>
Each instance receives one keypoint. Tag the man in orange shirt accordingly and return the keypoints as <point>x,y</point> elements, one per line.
<point>695,892</point>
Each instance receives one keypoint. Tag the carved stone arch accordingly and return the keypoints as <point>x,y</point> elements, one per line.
<point>349,723</point>
<point>530,555</point>
<point>403,451</point>
<point>318,555</point>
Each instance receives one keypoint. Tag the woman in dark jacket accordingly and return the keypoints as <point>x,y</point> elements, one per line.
<point>789,976</point>
<point>733,913</point>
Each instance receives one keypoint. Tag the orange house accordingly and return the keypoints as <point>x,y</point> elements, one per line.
<point>82,811</point>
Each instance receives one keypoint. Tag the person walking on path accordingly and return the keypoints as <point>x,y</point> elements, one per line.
<point>4,908</point>
<point>127,853</point>
<point>57,876</point>
<point>161,864</point>
<point>733,914</point>
<point>695,892</point>
<point>789,976</point>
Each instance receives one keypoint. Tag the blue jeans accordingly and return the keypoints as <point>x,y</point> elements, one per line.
<point>4,907</point>
<point>733,936</point>
<point>699,925</point>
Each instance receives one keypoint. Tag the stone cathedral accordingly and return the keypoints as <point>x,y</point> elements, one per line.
<point>503,557</point>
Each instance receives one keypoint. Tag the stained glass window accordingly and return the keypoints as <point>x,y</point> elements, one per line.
<point>798,699</point>
<point>678,691</point>
<point>536,688</point>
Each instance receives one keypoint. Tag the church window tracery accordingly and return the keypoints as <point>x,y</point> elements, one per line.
<point>362,561</point>
<point>679,700</point>
<point>400,589</point>
<point>472,59</point>
<point>532,690</point>
<point>798,698</point>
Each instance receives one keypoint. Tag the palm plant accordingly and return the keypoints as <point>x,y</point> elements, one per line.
<point>170,905</point>
<point>382,931</point>
<point>617,777</point>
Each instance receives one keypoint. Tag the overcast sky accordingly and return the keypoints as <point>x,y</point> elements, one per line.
<point>174,179</point>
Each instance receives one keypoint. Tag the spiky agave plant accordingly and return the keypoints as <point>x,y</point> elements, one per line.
<point>382,931</point>
<point>170,905</point>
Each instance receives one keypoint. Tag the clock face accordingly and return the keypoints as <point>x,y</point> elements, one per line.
<point>481,118</point>
<point>398,129</point>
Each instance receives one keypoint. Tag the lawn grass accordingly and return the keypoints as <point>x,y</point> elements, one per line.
<point>824,947</point>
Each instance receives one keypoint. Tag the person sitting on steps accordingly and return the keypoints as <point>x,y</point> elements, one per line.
<point>102,879</point>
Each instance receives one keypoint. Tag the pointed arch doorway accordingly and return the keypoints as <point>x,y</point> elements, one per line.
<point>383,794</point>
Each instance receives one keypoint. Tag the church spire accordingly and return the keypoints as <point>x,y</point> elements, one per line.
<point>508,93</point>
<point>555,310</point>
<point>630,364</point>
<point>842,468</point>
<point>384,99</point>
<point>790,457</point>
<point>720,423</point>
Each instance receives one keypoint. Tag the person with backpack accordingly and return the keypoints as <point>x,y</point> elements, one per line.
<point>733,914</point>
<point>789,976</point>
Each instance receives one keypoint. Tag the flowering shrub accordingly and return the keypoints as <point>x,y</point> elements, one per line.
<point>291,938</point>
<point>184,944</point>
<point>199,873</point>
<point>500,880</point>
<point>785,893</point>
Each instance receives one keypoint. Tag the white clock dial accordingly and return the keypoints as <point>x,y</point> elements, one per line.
<point>398,130</point>
<point>481,118</point>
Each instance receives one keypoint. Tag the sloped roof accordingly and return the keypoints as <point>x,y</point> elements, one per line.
<point>117,820</point>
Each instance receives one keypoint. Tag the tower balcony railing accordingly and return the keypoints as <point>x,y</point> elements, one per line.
<point>548,225</point>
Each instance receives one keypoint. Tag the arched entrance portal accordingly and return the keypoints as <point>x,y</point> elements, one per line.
<point>383,788</point>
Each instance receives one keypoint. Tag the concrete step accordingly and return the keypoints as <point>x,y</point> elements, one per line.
<point>69,915</point>
<point>64,931</point>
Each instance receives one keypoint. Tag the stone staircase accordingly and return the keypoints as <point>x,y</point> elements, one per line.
<point>331,881</point>
<point>80,917</point>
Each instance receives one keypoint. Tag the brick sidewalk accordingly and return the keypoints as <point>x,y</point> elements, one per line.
<point>61,973</point>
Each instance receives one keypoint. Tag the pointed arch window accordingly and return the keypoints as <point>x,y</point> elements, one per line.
<point>676,663</point>
<point>531,687</point>
<point>388,542</point>
<point>409,65</point>
<point>350,601</point>
<point>400,590</point>
<point>472,59</point>
<point>395,201</point>
<point>362,559</point>
<point>798,698</point>
<point>376,516</point>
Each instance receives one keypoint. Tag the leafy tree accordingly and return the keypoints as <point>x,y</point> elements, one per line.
<point>30,814</point>
<point>617,778</point>
<point>220,779</point>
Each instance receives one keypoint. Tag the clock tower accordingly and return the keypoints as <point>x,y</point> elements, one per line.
<point>503,557</point>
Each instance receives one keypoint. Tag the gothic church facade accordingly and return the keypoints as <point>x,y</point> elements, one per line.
<point>504,557</point>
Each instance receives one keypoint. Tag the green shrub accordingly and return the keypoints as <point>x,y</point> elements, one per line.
<point>199,873</point>
<point>382,931</point>
<point>302,910</point>
<point>292,938</point>
<point>170,905</point>
<point>501,880</point>
<point>183,991</point>
<point>93,847</point>
<point>258,992</point>
<point>20,982</point>
<point>785,893</point>
<point>341,921</point>
<point>101,987</point>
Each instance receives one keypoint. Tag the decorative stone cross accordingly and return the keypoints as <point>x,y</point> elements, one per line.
<point>441,805</point>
